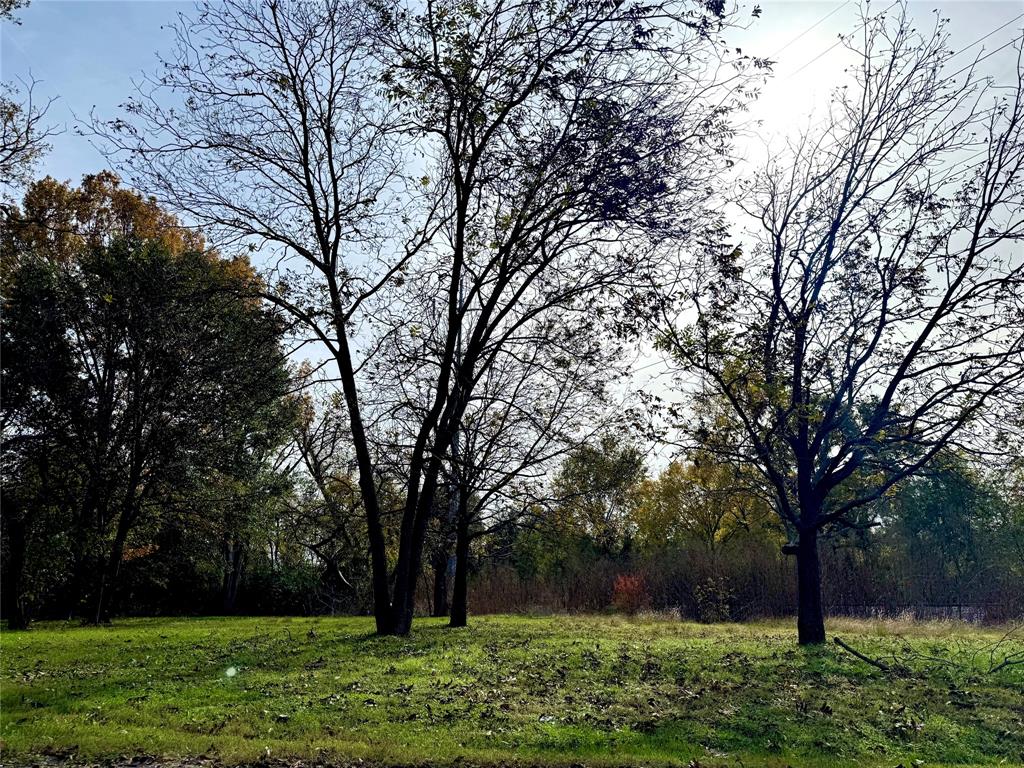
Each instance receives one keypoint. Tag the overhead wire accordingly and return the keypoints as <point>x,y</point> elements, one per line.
<point>835,45</point>
<point>813,26</point>
<point>667,363</point>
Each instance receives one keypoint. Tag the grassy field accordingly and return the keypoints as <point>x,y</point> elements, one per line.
<point>509,690</point>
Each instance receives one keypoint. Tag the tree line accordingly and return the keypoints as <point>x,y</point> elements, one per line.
<point>465,215</point>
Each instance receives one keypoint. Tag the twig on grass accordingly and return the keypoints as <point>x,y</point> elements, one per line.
<point>873,662</point>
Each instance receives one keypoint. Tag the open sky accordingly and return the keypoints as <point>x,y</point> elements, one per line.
<point>86,53</point>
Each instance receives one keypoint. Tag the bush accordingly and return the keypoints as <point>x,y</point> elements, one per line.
<point>714,600</point>
<point>629,594</point>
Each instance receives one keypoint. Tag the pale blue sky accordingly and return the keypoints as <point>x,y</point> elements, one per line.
<point>86,53</point>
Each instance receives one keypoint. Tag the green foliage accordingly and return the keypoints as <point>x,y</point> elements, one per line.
<point>552,553</point>
<point>941,514</point>
<point>596,491</point>
<point>509,690</point>
<point>956,530</point>
<point>713,598</point>
<point>703,500</point>
<point>146,388</point>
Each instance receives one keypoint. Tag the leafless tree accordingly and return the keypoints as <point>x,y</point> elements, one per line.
<point>23,131</point>
<point>876,316</point>
<point>503,162</point>
<point>534,405</point>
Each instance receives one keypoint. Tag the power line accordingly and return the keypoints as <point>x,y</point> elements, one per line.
<point>962,50</point>
<point>835,45</point>
<point>732,90</point>
<point>815,24</point>
<point>652,365</point>
<point>985,37</point>
<point>982,58</point>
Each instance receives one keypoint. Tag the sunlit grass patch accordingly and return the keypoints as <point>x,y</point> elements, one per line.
<point>546,690</point>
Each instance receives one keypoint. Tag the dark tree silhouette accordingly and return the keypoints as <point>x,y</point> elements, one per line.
<point>23,130</point>
<point>875,318</point>
<point>545,147</point>
<point>134,355</point>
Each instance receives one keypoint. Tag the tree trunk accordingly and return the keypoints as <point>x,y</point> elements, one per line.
<point>108,578</point>
<point>403,603</point>
<point>17,542</point>
<point>233,555</point>
<point>382,611</point>
<point>439,563</point>
<point>442,555</point>
<point>810,621</point>
<point>418,511</point>
<point>78,589</point>
<point>460,592</point>
<point>410,551</point>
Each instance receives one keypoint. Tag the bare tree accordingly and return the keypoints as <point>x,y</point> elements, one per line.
<point>534,405</point>
<point>876,317</point>
<point>23,131</point>
<point>556,155</point>
<point>521,161</point>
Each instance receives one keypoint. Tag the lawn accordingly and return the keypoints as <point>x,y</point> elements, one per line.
<point>509,690</point>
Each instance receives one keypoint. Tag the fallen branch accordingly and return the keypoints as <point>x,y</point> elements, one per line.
<point>873,662</point>
<point>1001,654</point>
<point>1009,661</point>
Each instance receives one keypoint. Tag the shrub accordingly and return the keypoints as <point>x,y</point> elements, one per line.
<point>713,599</point>
<point>629,594</point>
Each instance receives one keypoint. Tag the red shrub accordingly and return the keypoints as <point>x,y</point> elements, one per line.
<point>629,594</point>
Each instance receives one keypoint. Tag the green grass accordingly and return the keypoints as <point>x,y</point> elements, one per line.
<point>555,691</point>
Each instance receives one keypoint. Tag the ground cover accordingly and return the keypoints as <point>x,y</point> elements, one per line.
<point>509,690</point>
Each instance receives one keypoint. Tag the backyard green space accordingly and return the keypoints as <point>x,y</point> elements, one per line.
<point>511,690</point>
